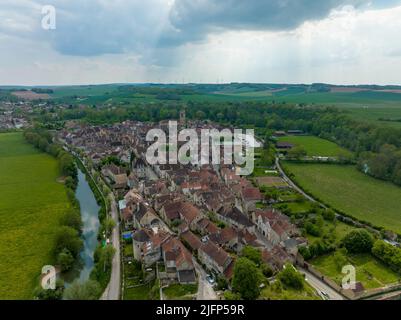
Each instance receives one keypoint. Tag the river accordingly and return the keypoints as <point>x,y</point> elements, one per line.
<point>90,220</point>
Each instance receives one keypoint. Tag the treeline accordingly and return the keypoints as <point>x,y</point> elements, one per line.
<point>104,254</point>
<point>43,140</point>
<point>41,90</point>
<point>68,242</point>
<point>389,254</point>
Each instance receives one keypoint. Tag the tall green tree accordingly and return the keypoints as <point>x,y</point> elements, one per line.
<point>246,279</point>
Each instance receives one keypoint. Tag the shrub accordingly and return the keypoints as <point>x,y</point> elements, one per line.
<point>358,241</point>
<point>290,277</point>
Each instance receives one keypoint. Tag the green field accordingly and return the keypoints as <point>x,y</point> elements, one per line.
<point>346,189</point>
<point>31,204</point>
<point>369,271</point>
<point>315,146</point>
<point>384,115</point>
<point>180,291</point>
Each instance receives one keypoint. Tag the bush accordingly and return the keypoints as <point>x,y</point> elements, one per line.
<point>56,294</point>
<point>65,260</point>
<point>228,295</point>
<point>389,254</point>
<point>358,241</point>
<point>73,220</point>
<point>329,215</point>
<point>252,254</point>
<point>222,283</point>
<point>291,278</point>
<point>68,238</point>
<point>89,290</point>
<point>312,229</point>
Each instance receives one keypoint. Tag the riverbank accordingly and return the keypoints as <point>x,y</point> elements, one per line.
<point>105,254</point>
<point>90,227</point>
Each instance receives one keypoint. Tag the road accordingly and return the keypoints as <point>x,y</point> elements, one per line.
<point>320,286</point>
<point>112,291</point>
<point>292,184</point>
<point>205,289</point>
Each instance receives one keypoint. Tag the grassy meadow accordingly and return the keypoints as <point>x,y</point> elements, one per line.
<point>315,146</point>
<point>348,190</point>
<point>369,271</point>
<point>31,204</point>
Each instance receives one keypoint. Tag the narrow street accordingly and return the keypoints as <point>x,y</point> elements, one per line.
<point>205,289</point>
<point>112,291</point>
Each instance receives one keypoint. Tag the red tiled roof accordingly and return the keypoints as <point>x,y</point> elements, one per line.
<point>192,240</point>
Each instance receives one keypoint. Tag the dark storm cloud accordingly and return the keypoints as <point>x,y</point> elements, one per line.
<point>193,19</point>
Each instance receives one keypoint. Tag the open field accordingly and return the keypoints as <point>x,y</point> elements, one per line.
<point>315,146</point>
<point>180,291</point>
<point>386,115</point>
<point>30,95</point>
<point>31,204</point>
<point>369,271</point>
<point>346,189</point>
<point>269,293</point>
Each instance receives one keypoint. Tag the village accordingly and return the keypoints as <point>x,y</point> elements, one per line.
<point>187,224</point>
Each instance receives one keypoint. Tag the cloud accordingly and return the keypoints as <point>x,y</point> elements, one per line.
<point>194,19</point>
<point>97,27</point>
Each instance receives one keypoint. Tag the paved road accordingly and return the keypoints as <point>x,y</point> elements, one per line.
<point>205,289</point>
<point>320,286</point>
<point>292,184</point>
<point>112,291</point>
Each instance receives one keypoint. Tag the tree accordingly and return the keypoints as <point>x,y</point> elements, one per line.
<point>68,238</point>
<point>246,279</point>
<point>57,294</point>
<point>252,254</point>
<point>65,260</point>
<point>312,229</point>
<point>108,225</point>
<point>290,277</point>
<point>90,290</point>
<point>104,256</point>
<point>329,215</point>
<point>73,220</point>
<point>222,283</point>
<point>358,241</point>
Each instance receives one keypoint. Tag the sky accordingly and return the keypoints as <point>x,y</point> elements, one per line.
<point>202,41</point>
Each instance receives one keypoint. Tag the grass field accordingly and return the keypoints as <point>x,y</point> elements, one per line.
<point>377,114</point>
<point>31,204</point>
<point>269,293</point>
<point>315,146</point>
<point>180,291</point>
<point>369,271</point>
<point>347,189</point>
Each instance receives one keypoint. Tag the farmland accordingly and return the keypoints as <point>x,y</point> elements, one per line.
<point>315,146</point>
<point>31,204</point>
<point>346,189</point>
